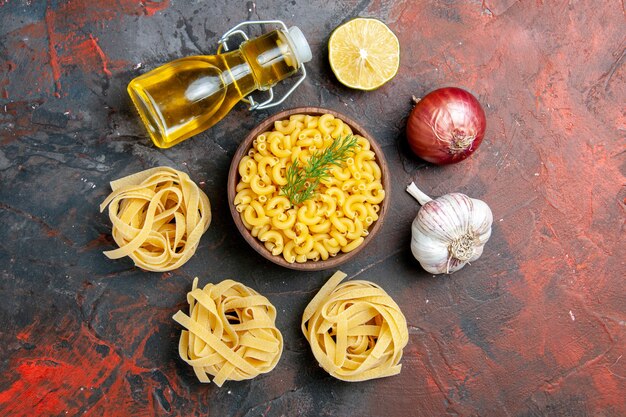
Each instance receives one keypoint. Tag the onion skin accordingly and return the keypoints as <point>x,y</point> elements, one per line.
<point>446,126</point>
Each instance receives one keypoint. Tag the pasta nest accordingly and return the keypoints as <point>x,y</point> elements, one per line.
<point>231,332</point>
<point>158,217</point>
<point>356,331</point>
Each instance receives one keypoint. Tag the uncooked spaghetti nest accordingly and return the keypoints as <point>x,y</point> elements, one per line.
<point>231,332</point>
<point>158,217</point>
<point>356,331</point>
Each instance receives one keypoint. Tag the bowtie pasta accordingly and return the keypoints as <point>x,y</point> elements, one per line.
<point>338,216</point>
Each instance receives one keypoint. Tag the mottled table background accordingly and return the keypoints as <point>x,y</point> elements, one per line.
<point>536,327</point>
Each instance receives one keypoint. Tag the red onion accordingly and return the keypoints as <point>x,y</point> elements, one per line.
<point>446,126</point>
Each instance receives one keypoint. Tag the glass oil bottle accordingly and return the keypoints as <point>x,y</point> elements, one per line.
<point>189,95</point>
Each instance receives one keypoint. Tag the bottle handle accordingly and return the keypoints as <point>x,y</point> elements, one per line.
<point>223,46</point>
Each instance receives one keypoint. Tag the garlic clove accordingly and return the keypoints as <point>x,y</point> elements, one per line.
<point>431,253</point>
<point>481,219</point>
<point>478,251</point>
<point>445,218</point>
<point>435,261</point>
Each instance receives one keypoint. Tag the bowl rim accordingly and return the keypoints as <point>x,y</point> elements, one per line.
<point>233,179</point>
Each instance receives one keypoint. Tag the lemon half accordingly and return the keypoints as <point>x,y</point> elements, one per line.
<point>364,53</point>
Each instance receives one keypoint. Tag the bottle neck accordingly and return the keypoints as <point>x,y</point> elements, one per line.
<point>270,59</point>
<point>237,73</point>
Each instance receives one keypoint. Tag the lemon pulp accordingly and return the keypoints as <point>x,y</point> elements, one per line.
<point>364,53</point>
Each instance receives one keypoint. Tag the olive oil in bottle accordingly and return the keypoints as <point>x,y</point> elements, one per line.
<point>187,96</point>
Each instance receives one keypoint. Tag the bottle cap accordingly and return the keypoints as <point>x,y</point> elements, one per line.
<point>300,45</point>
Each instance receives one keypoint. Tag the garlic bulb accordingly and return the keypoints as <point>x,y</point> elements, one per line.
<point>450,231</point>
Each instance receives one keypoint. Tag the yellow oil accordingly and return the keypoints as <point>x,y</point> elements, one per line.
<point>187,96</point>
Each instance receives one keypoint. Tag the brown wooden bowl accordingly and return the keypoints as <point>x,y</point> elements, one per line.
<point>234,178</point>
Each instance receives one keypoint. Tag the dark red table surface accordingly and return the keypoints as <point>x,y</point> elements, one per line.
<point>536,327</point>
